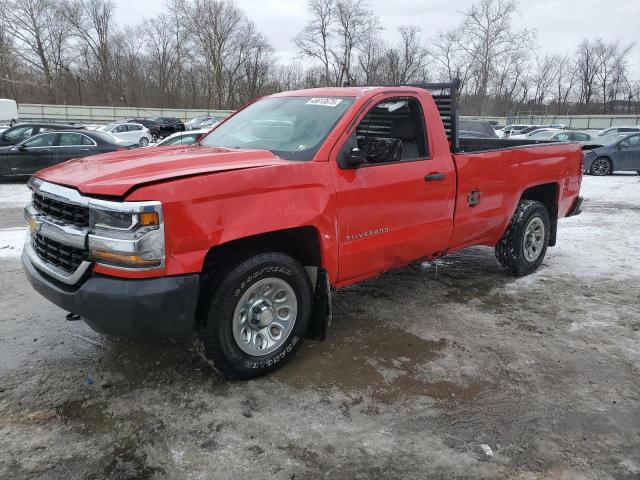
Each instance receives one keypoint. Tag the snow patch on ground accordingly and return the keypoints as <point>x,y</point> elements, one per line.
<point>14,195</point>
<point>12,241</point>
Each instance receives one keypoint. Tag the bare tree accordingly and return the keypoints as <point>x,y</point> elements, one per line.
<point>315,38</point>
<point>487,37</point>
<point>41,37</point>
<point>92,25</point>
<point>407,61</point>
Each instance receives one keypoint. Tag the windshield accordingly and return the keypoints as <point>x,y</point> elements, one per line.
<point>186,139</point>
<point>293,128</point>
<point>543,135</point>
<point>607,139</point>
<point>107,127</point>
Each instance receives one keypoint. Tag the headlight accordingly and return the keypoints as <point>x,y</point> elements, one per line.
<point>127,235</point>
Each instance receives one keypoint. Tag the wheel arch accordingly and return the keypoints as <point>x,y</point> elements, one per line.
<point>547,194</point>
<point>302,243</point>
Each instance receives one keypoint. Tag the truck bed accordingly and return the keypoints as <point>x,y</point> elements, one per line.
<point>477,145</point>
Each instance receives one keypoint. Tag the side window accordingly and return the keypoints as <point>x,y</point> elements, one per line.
<point>634,141</point>
<point>120,129</point>
<point>70,139</point>
<point>562,137</point>
<point>86,140</point>
<point>44,140</point>
<point>133,128</point>
<point>581,137</point>
<point>392,131</point>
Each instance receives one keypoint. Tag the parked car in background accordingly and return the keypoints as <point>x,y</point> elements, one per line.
<point>195,122</point>
<point>509,130</point>
<point>527,132</point>
<point>476,129</point>
<point>616,151</point>
<point>22,131</point>
<point>211,122</point>
<point>151,125</point>
<point>618,130</point>
<point>198,122</point>
<point>571,136</point>
<point>182,138</point>
<point>560,126</point>
<point>168,125</point>
<point>557,135</point>
<point>50,148</point>
<point>129,132</point>
<point>8,112</point>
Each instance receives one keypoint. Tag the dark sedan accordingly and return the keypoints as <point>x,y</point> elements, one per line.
<point>168,125</point>
<point>604,155</point>
<point>22,131</point>
<point>46,149</point>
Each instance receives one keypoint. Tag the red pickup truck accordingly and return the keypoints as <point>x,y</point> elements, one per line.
<point>239,238</point>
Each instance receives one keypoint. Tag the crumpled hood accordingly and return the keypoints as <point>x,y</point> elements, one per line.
<point>115,174</point>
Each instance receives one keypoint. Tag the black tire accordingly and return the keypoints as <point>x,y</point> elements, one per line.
<point>601,167</point>
<point>510,250</point>
<point>144,141</point>
<point>221,294</point>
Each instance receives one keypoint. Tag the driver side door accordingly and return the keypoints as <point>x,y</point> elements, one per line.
<point>629,153</point>
<point>32,155</point>
<point>397,205</point>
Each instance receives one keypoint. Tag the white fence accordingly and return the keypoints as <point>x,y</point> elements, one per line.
<point>572,121</point>
<point>86,114</point>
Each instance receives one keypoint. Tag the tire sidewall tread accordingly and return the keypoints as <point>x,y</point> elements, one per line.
<point>509,250</point>
<point>215,340</point>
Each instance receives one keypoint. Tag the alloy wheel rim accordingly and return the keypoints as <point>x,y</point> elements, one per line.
<point>264,316</point>
<point>533,240</point>
<point>601,166</point>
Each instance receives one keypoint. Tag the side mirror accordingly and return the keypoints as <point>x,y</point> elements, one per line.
<point>351,158</point>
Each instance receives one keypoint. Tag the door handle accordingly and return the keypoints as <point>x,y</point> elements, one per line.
<point>435,176</point>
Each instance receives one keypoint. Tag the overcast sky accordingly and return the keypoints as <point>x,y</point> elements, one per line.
<point>560,24</point>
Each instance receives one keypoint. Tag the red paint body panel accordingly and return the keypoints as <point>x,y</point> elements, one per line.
<point>368,220</point>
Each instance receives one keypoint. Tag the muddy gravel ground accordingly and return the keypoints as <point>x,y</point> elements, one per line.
<point>441,370</point>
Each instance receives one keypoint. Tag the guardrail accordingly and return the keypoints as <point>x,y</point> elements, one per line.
<point>96,114</point>
<point>577,122</point>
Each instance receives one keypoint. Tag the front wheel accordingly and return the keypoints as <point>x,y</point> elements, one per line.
<point>601,166</point>
<point>144,141</point>
<point>523,246</point>
<point>255,314</point>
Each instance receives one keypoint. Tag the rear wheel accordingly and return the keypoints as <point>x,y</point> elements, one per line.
<point>601,166</point>
<point>255,314</point>
<point>523,246</point>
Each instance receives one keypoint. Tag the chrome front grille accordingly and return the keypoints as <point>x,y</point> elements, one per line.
<point>58,219</point>
<point>66,213</point>
<point>64,257</point>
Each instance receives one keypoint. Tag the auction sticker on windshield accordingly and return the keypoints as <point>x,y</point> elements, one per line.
<point>325,102</point>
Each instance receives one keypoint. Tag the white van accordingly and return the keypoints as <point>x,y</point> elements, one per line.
<point>8,112</point>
